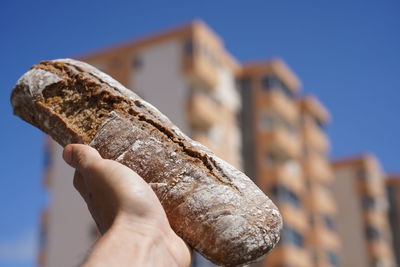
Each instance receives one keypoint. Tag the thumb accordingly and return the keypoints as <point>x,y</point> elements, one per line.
<point>80,157</point>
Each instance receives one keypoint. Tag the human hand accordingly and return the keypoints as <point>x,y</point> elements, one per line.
<point>126,211</point>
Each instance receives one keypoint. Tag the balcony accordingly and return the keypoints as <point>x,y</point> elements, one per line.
<point>318,169</point>
<point>203,139</point>
<point>328,239</point>
<point>293,216</point>
<point>315,138</point>
<point>381,249</point>
<point>372,187</point>
<point>199,64</point>
<point>321,200</point>
<point>278,102</point>
<point>285,254</point>
<point>203,112</point>
<point>376,218</point>
<point>279,141</point>
<point>284,174</point>
<point>324,239</point>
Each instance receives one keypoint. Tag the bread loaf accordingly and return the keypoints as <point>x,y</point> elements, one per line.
<point>215,208</point>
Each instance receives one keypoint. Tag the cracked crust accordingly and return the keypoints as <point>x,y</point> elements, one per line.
<point>214,207</point>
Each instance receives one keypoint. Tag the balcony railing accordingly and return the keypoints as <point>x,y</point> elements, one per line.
<point>321,200</point>
<point>280,141</point>
<point>315,138</point>
<point>294,216</point>
<point>281,104</point>
<point>200,70</point>
<point>203,112</point>
<point>282,174</point>
<point>318,169</point>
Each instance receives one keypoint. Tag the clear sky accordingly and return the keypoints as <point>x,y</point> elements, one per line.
<point>345,52</point>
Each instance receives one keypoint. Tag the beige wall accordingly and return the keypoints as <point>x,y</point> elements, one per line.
<point>349,224</point>
<point>159,80</point>
<point>70,227</point>
<point>227,94</point>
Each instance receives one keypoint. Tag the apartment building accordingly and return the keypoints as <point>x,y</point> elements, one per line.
<point>393,192</point>
<point>251,115</point>
<point>286,152</point>
<point>272,149</point>
<point>362,223</point>
<point>322,239</point>
<point>189,76</point>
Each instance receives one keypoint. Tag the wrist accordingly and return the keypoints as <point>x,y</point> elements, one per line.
<point>136,242</point>
<point>156,237</point>
<point>128,224</point>
<point>123,244</point>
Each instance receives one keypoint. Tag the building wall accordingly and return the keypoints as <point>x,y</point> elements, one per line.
<point>393,191</point>
<point>271,146</point>
<point>229,139</point>
<point>350,225</point>
<point>70,229</point>
<point>321,239</point>
<point>190,77</point>
<point>158,79</point>
<point>369,192</point>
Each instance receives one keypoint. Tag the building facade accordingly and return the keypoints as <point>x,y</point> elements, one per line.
<point>254,117</point>
<point>322,239</point>
<point>272,150</point>
<point>393,192</point>
<point>362,223</point>
<point>286,152</point>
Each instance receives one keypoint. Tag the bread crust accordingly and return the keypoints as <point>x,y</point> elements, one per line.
<point>215,208</point>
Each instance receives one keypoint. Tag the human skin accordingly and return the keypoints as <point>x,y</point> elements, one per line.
<point>133,224</point>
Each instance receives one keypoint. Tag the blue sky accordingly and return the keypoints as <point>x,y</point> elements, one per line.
<point>345,52</point>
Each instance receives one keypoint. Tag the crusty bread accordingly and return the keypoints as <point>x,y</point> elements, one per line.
<point>215,208</point>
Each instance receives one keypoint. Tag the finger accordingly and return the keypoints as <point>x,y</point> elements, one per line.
<point>80,157</point>
<point>79,184</point>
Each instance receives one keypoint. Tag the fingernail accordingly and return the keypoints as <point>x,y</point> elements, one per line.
<point>67,155</point>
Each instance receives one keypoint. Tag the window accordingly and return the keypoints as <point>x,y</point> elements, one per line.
<point>308,184</point>
<point>291,236</point>
<point>267,83</point>
<point>372,233</point>
<point>314,257</point>
<point>270,120</point>
<point>274,158</point>
<point>311,220</point>
<point>329,222</point>
<point>292,129</point>
<point>271,82</point>
<point>188,47</point>
<point>320,124</point>
<point>207,53</point>
<point>378,262</point>
<point>362,174</point>
<point>137,62</point>
<point>47,157</point>
<point>244,84</point>
<point>293,168</point>
<point>306,151</point>
<point>368,202</point>
<point>216,135</point>
<point>333,258</point>
<point>285,195</point>
<point>43,238</point>
<point>267,121</point>
<point>115,63</point>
